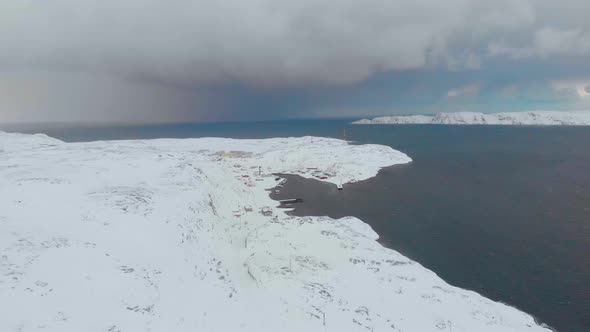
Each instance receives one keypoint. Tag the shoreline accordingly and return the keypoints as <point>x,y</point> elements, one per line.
<point>290,210</point>
<point>198,205</point>
<point>530,118</point>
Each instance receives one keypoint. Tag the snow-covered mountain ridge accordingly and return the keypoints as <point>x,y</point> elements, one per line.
<point>534,118</point>
<point>167,235</point>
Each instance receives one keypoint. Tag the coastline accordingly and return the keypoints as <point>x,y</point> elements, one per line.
<point>290,209</point>
<point>201,224</point>
<point>531,118</point>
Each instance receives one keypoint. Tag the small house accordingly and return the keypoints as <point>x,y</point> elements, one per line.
<point>266,211</point>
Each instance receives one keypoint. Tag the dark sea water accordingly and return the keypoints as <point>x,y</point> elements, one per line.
<point>504,211</point>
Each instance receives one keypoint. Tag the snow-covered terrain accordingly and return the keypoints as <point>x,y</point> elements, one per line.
<point>536,118</point>
<point>167,235</point>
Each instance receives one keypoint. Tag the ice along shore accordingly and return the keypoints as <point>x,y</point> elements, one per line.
<point>168,235</point>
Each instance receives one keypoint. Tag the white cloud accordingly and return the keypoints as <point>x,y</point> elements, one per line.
<point>583,90</point>
<point>137,60</point>
<point>463,91</point>
<point>271,42</point>
<point>547,41</point>
<point>574,87</point>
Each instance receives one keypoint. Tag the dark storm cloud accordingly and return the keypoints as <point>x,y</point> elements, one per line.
<point>174,60</point>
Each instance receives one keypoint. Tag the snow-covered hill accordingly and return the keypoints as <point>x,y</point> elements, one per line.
<point>536,118</point>
<point>167,235</point>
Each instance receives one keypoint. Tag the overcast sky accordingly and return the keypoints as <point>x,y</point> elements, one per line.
<point>182,60</point>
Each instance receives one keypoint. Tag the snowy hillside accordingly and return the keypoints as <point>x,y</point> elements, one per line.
<point>537,118</point>
<point>167,235</point>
